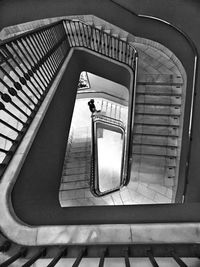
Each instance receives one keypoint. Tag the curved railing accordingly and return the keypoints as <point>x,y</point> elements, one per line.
<point>83,35</point>
<point>114,125</point>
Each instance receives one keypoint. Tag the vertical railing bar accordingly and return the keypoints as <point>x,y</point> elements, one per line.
<point>9,139</point>
<point>152,259</point>
<point>30,65</point>
<point>79,258</point>
<point>24,73</point>
<point>126,257</point>
<point>57,258</point>
<point>13,92</point>
<point>75,34</point>
<point>46,48</point>
<point>35,257</point>
<point>37,40</point>
<point>178,260</point>
<point>13,258</point>
<point>20,77</point>
<point>72,33</point>
<point>102,258</point>
<point>89,36</point>
<point>85,36</point>
<point>2,107</point>
<point>9,126</point>
<point>96,41</point>
<point>50,42</point>
<point>81,32</point>
<point>33,49</point>
<point>16,84</point>
<point>67,32</point>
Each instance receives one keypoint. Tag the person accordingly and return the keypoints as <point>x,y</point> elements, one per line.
<point>92,106</point>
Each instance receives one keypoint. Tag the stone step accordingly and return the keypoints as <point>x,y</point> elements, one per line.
<point>76,164</point>
<point>157,89</point>
<point>75,177</point>
<point>159,100</point>
<point>80,170</point>
<point>160,110</point>
<point>155,130</point>
<point>156,140</point>
<point>165,79</point>
<point>157,120</point>
<point>74,185</point>
<point>154,160</point>
<point>72,194</point>
<point>154,150</point>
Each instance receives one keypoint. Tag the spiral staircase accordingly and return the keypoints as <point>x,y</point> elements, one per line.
<point>31,62</point>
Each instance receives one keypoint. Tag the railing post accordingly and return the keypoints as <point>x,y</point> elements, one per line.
<point>21,253</point>
<point>102,257</point>
<point>79,258</point>
<point>152,259</point>
<point>126,257</point>
<point>35,257</point>
<point>178,259</point>
<point>63,252</point>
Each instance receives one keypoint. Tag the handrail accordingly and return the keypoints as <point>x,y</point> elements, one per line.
<point>81,34</point>
<point>94,179</point>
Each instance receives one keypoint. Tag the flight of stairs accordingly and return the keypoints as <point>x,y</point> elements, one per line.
<point>75,179</point>
<point>157,125</point>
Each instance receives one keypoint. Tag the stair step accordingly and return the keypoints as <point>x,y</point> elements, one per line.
<point>155,150</point>
<point>74,185</point>
<point>160,100</point>
<point>157,89</point>
<point>76,164</point>
<point>160,110</point>
<point>157,120</point>
<point>155,140</point>
<point>72,194</point>
<point>162,130</point>
<point>165,79</point>
<point>154,161</point>
<point>76,177</point>
<point>79,170</point>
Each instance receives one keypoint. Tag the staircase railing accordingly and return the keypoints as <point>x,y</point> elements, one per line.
<point>83,35</point>
<point>28,65</point>
<point>94,175</point>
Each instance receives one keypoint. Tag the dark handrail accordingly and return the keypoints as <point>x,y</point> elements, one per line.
<point>94,179</point>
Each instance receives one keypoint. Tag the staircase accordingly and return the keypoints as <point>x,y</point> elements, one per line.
<point>75,180</point>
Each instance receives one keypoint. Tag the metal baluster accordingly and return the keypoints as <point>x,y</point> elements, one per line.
<point>81,32</point>
<point>126,257</point>
<point>21,79</point>
<point>88,36</point>
<point>26,75</point>
<point>9,126</point>
<point>62,253</point>
<point>72,33</point>
<point>152,259</point>
<point>2,107</point>
<point>178,260</point>
<point>13,92</point>
<point>36,39</point>
<point>79,258</point>
<point>66,23</point>
<point>35,257</point>
<point>85,35</point>
<point>17,85</point>
<point>37,67</point>
<point>46,49</point>
<point>29,69</point>
<point>21,253</point>
<point>102,258</point>
<point>51,42</point>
